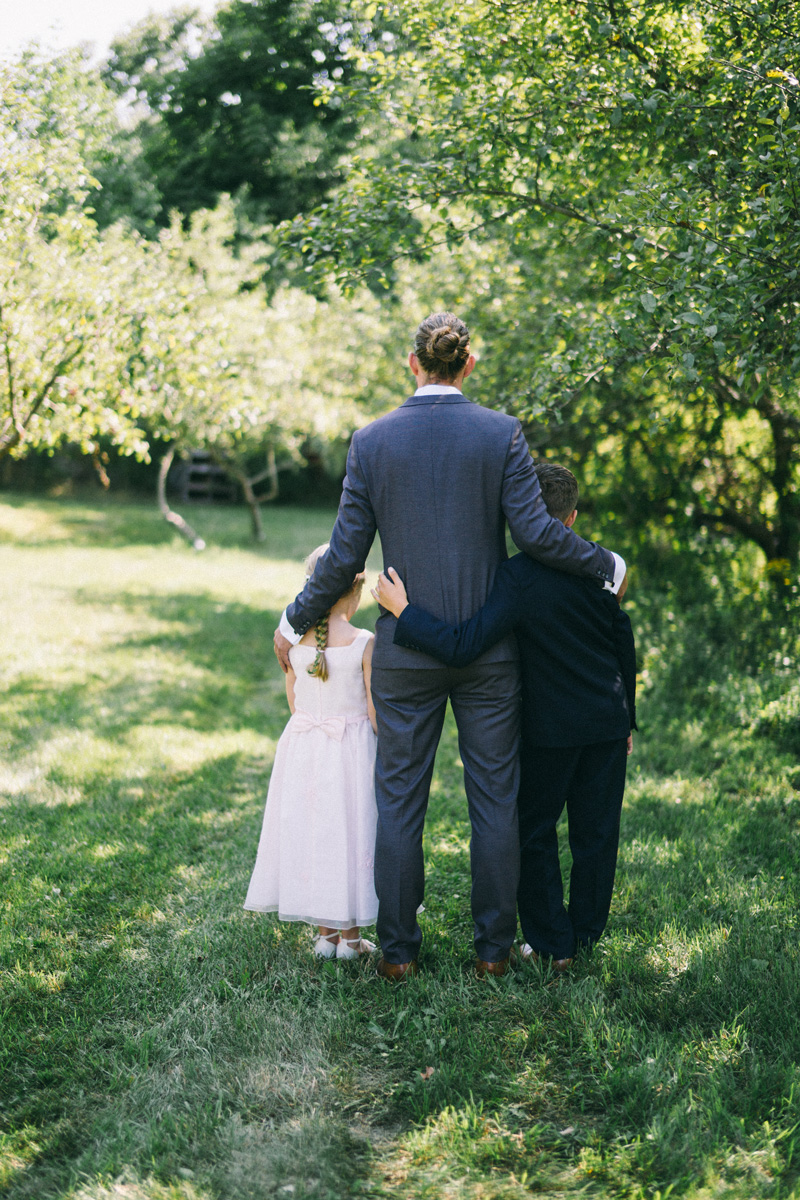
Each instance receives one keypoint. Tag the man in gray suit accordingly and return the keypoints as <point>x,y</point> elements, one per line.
<point>438,479</point>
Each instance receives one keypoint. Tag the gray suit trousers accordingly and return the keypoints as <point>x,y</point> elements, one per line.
<point>410,706</point>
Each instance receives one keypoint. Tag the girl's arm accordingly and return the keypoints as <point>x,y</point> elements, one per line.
<point>290,678</point>
<point>366,663</point>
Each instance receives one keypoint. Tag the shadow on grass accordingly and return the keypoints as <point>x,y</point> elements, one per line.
<point>151,1021</point>
<point>679,1035</point>
<point>147,1019</point>
<point>213,671</point>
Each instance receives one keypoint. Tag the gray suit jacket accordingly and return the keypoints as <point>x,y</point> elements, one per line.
<point>438,478</point>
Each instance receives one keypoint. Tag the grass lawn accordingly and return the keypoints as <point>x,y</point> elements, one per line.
<point>159,1042</point>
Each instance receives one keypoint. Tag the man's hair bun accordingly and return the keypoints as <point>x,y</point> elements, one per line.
<point>442,345</point>
<point>446,344</point>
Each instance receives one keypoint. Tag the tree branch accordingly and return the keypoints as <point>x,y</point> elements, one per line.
<point>755,531</point>
<point>270,472</point>
<point>12,401</point>
<point>8,442</point>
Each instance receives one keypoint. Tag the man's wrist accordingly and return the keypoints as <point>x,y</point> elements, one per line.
<point>286,629</point>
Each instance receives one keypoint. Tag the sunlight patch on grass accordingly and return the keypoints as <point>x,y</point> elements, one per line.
<point>18,1148</point>
<point>674,789</point>
<point>660,852</point>
<point>450,845</point>
<point>143,750</point>
<point>136,953</point>
<point>193,874</point>
<point>214,819</point>
<point>671,951</point>
<point>29,522</point>
<point>29,780</point>
<point>147,1189</point>
<point>178,749</point>
<point>466,1153</point>
<point>44,981</point>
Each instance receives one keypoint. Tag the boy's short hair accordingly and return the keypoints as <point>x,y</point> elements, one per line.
<point>559,489</point>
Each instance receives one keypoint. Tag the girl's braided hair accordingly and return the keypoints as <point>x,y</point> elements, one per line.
<point>319,667</point>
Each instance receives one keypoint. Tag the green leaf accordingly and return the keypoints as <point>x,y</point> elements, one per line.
<point>648,302</point>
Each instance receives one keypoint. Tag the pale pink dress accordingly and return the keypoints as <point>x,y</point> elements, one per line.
<point>316,854</point>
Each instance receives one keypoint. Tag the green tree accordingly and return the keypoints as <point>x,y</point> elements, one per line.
<point>107,335</point>
<point>66,310</point>
<point>230,106</point>
<point>637,165</point>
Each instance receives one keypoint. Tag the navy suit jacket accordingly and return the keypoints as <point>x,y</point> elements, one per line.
<point>438,478</point>
<point>576,649</point>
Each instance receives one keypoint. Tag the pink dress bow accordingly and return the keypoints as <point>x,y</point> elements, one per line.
<point>334,726</point>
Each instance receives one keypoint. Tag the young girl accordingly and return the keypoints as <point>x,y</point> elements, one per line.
<point>315,856</point>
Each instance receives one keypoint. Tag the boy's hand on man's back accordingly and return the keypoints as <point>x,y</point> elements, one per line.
<point>390,592</point>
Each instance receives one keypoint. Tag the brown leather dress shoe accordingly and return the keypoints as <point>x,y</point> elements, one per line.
<point>397,971</point>
<point>483,968</point>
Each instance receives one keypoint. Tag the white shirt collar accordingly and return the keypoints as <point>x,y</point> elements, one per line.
<point>437,389</point>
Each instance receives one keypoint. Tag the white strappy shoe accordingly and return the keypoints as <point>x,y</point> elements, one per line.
<point>324,947</point>
<point>354,947</point>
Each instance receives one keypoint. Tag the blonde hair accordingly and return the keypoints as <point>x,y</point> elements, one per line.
<point>319,667</point>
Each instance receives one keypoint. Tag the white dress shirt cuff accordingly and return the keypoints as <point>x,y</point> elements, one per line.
<point>294,638</point>
<point>619,574</point>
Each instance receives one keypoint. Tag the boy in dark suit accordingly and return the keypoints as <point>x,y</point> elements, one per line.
<point>578,709</point>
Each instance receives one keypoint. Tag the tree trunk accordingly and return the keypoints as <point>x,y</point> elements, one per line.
<point>248,485</point>
<point>255,509</point>
<point>183,527</point>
